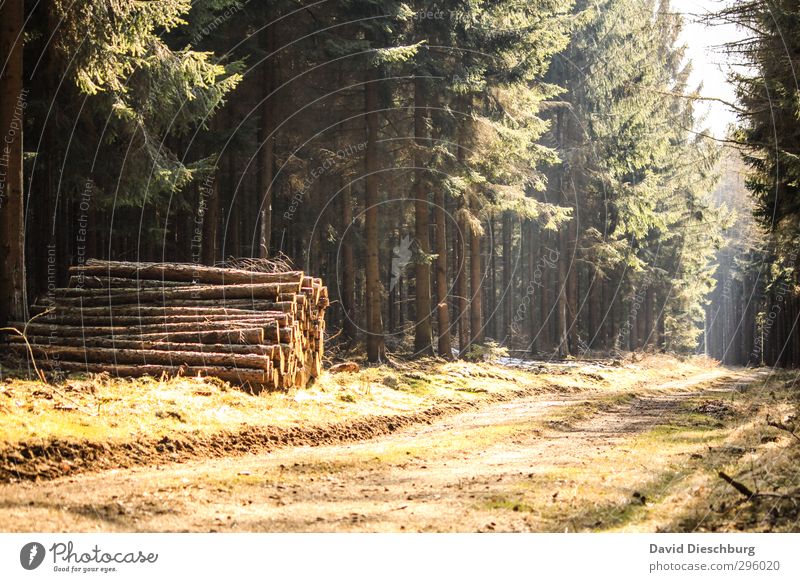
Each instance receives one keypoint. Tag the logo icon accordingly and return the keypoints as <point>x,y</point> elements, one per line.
<point>31,555</point>
<point>401,257</point>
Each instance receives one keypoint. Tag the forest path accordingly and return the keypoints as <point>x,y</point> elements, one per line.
<point>548,463</point>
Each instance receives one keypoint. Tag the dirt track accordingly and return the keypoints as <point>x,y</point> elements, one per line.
<point>549,463</point>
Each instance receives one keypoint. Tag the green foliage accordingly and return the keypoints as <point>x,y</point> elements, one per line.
<point>768,94</point>
<point>151,93</point>
<point>631,162</point>
<point>489,351</point>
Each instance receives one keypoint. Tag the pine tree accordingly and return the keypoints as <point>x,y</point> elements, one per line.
<point>13,300</point>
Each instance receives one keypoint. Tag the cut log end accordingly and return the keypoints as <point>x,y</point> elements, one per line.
<point>259,330</point>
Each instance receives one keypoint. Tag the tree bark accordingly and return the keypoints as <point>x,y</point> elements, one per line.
<point>572,285</point>
<point>445,348</point>
<point>271,291</point>
<point>13,300</point>
<point>157,273</point>
<point>595,307</point>
<point>490,305</point>
<point>209,203</point>
<point>531,285</point>
<point>348,268</point>
<point>266,128</point>
<point>201,310</point>
<point>233,231</point>
<point>461,283</point>
<point>649,308</point>
<point>422,323</point>
<point>507,292</point>
<point>375,341</point>
<point>258,378</point>
<point>143,356</point>
<point>561,302</point>
<point>274,351</point>
<point>476,303</point>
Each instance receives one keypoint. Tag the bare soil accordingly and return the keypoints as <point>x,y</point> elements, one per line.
<point>547,462</point>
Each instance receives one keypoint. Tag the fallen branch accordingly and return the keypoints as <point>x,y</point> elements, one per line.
<point>740,487</point>
<point>783,427</point>
<point>24,334</point>
<point>749,493</point>
<point>39,373</point>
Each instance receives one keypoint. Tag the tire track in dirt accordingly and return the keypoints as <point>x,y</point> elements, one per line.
<point>442,476</point>
<point>48,459</point>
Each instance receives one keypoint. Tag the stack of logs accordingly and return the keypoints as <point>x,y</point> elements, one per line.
<point>264,330</point>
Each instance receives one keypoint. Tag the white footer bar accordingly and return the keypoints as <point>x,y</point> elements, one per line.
<point>388,557</point>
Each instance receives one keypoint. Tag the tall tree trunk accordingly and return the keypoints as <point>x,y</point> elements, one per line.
<point>547,313</point>
<point>491,291</point>
<point>445,348</point>
<point>476,303</point>
<point>461,282</point>
<point>235,197</point>
<point>660,327</point>
<point>641,319</point>
<point>595,315</point>
<point>507,292</point>
<point>422,323</point>
<point>615,318</point>
<point>561,301</point>
<point>375,343</point>
<point>209,201</point>
<point>572,285</point>
<point>348,267</point>
<point>210,206</point>
<point>563,256</point>
<point>632,323</point>
<point>649,308</point>
<point>267,157</point>
<point>13,300</point>
<point>606,314</point>
<point>531,284</point>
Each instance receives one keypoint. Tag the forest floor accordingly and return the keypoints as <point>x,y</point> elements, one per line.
<point>580,446</point>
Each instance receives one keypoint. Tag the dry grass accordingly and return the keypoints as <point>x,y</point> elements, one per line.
<point>667,478</point>
<point>99,408</point>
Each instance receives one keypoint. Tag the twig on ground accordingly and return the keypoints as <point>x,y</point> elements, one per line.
<point>24,334</point>
<point>750,494</point>
<point>740,487</point>
<point>783,427</point>
<point>39,373</point>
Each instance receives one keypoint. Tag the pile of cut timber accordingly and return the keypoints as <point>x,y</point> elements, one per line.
<point>264,330</point>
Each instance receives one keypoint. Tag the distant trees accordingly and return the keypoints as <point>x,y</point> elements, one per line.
<point>631,270</point>
<point>113,108</point>
<point>522,172</point>
<point>13,101</point>
<point>756,308</point>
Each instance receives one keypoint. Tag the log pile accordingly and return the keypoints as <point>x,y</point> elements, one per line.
<point>264,330</point>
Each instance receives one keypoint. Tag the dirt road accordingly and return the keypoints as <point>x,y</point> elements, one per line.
<point>595,461</point>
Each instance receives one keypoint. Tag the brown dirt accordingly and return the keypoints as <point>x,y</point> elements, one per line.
<point>56,458</point>
<point>519,465</point>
